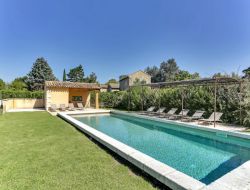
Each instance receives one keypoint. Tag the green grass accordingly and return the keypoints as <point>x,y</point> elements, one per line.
<point>39,151</point>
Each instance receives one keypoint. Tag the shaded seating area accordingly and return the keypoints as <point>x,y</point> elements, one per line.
<point>69,96</point>
<point>195,113</point>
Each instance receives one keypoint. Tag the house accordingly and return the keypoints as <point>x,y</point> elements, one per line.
<point>111,87</point>
<point>138,76</point>
<point>104,87</point>
<point>57,92</point>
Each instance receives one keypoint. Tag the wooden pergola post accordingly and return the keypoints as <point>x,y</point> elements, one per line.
<point>215,99</point>
<point>97,99</point>
<point>142,98</point>
<point>240,97</point>
<point>129,98</point>
<point>182,102</point>
<point>159,95</point>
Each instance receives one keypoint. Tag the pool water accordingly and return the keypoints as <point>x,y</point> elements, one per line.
<point>205,159</point>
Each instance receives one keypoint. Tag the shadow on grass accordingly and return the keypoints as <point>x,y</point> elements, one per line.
<point>137,171</point>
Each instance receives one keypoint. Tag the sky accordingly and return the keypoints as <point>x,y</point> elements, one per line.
<point>115,37</point>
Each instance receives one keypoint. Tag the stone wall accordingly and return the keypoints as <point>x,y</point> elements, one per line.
<point>22,103</point>
<point>130,80</point>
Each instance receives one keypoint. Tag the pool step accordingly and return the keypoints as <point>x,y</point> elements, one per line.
<point>224,135</point>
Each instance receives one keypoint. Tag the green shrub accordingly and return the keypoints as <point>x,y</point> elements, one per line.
<point>195,98</point>
<point>21,94</point>
<point>246,105</point>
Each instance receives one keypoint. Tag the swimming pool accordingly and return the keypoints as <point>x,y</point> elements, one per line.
<point>202,155</point>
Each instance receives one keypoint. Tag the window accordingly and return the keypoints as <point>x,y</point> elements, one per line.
<point>77,98</point>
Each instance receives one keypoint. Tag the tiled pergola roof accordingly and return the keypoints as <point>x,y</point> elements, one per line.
<point>60,84</point>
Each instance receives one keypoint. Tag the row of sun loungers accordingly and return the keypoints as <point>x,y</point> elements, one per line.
<point>62,107</point>
<point>171,114</point>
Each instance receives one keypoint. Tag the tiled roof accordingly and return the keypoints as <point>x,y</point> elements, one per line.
<point>114,85</point>
<point>103,85</point>
<point>126,76</point>
<point>61,84</point>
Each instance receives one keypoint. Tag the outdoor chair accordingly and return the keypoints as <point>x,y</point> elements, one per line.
<point>171,112</point>
<point>197,115</point>
<point>211,119</point>
<point>148,111</point>
<point>71,107</point>
<point>53,107</point>
<point>80,105</point>
<point>159,112</point>
<point>62,107</point>
<point>183,113</point>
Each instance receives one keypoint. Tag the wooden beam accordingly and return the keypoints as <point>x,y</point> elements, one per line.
<point>96,99</point>
<point>215,97</point>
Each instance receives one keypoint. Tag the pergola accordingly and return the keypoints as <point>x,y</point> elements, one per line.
<point>214,82</point>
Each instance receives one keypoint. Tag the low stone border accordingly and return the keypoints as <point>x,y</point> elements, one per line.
<point>238,178</point>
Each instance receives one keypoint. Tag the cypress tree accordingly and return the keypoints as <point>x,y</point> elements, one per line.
<point>64,75</point>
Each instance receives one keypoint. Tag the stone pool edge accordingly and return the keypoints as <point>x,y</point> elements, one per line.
<point>162,172</point>
<point>189,125</point>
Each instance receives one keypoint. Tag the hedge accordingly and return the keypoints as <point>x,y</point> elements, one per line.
<point>195,98</point>
<point>5,94</point>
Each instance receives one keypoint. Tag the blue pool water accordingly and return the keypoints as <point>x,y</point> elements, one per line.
<point>206,159</point>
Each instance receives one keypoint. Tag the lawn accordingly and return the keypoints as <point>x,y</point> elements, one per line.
<point>40,151</point>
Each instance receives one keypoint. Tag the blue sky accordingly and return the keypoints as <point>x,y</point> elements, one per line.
<point>115,37</point>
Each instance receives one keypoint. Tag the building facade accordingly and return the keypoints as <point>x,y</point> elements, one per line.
<point>136,77</point>
<point>57,93</point>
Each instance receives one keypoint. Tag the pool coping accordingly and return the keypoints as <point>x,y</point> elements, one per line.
<point>162,172</point>
<point>185,124</point>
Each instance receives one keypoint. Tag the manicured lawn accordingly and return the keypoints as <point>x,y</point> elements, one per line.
<point>39,151</point>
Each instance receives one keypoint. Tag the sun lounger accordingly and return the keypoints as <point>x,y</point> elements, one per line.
<point>212,118</point>
<point>197,115</point>
<point>53,107</point>
<point>159,112</point>
<point>80,106</point>
<point>171,112</point>
<point>148,111</point>
<point>71,107</point>
<point>62,107</point>
<point>183,113</point>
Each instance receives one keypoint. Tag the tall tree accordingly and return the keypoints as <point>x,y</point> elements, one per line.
<point>76,74</point>
<point>2,84</point>
<point>122,76</point>
<point>155,74</point>
<point>92,78</point>
<point>185,75</point>
<point>111,81</point>
<point>19,83</point>
<point>246,73</point>
<point>64,75</point>
<point>40,72</point>
<point>169,70</point>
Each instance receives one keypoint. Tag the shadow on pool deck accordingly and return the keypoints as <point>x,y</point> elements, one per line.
<point>137,171</point>
<point>222,169</point>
